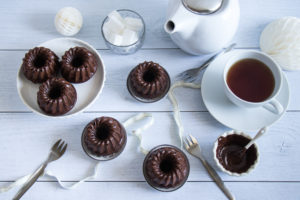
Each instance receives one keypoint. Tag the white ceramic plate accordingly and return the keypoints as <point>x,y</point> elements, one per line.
<point>227,113</point>
<point>87,92</point>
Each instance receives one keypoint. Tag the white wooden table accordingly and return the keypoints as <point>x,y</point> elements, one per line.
<point>25,137</point>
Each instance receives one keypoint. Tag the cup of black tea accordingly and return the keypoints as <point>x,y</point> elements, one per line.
<point>253,79</point>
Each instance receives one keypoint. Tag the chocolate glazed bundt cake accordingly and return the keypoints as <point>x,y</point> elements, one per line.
<point>56,96</point>
<point>148,81</point>
<point>166,168</point>
<point>104,137</point>
<point>78,65</point>
<point>40,64</point>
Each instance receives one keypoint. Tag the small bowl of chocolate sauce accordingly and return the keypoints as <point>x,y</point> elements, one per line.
<point>229,155</point>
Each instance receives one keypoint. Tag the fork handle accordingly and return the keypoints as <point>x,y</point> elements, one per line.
<point>213,174</point>
<point>30,181</point>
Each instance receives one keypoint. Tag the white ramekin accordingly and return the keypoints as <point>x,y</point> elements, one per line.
<point>221,166</point>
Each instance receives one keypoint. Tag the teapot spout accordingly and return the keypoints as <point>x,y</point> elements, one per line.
<point>170,26</point>
<point>177,24</point>
<point>175,19</point>
<point>180,29</point>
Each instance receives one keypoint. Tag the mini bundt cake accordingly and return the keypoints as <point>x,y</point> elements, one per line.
<point>104,137</point>
<point>40,64</point>
<point>56,96</point>
<point>166,168</point>
<point>148,81</point>
<point>78,65</point>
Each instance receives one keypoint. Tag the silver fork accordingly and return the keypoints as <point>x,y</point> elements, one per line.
<point>192,146</point>
<point>191,75</point>
<point>57,150</point>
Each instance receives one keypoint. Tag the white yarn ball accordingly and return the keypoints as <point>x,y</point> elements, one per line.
<point>281,40</point>
<point>68,21</point>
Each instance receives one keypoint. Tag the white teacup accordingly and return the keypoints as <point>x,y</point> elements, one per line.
<point>270,103</point>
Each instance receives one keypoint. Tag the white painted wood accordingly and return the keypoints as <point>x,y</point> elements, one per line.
<point>115,96</point>
<point>25,138</point>
<point>21,20</point>
<point>141,190</point>
<point>24,142</point>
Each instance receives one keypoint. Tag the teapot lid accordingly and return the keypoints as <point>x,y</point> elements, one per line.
<point>203,6</point>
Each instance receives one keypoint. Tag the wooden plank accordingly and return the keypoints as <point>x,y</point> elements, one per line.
<point>141,190</point>
<point>26,138</point>
<point>115,96</point>
<point>21,20</point>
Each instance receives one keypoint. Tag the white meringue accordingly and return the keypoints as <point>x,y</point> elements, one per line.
<point>68,21</point>
<point>281,40</point>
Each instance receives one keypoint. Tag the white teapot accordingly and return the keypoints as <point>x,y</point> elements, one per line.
<point>202,26</point>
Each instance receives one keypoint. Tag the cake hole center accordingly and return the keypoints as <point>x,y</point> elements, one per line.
<point>150,75</point>
<point>167,165</point>
<point>77,61</point>
<point>102,132</point>
<point>40,61</point>
<point>55,92</point>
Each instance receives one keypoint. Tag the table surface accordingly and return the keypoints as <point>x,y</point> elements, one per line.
<point>25,137</point>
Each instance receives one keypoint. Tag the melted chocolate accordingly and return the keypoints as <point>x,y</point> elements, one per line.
<point>230,156</point>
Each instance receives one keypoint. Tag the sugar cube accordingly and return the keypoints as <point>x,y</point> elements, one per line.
<point>115,15</point>
<point>115,22</point>
<point>115,39</point>
<point>134,24</point>
<point>121,31</point>
<point>129,37</point>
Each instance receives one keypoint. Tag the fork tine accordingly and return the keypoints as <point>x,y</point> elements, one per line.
<point>181,74</point>
<point>192,79</point>
<point>185,75</point>
<point>59,148</point>
<point>186,145</point>
<point>181,77</point>
<point>189,141</point>
<point>55,145</point>
<point>64,149</point>
<point>194,140</point>
<point>189,80</point>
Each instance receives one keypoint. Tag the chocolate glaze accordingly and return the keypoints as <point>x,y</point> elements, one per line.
<point>56,96</point>
<point>166,167</point>
<point>78,65</point>
<point>40,64</point>
<point>230,156</point>
<point>148,80</point>
<point>104,136</point>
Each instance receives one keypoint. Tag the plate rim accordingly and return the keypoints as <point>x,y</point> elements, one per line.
<point>66,115</point>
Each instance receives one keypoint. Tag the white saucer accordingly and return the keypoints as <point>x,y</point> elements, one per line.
<point>227,113</point>
<point>87,92</point>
